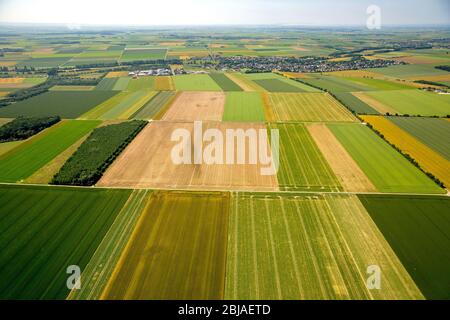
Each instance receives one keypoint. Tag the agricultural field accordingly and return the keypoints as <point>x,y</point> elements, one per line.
<point>353,103</point>
<point>187,234</point>
<point>225,82</point>
<point>164,83</point>
<point>155,107</point>
<point>429,160</point>
<point>147,83</point>
<point>417,229</point>
<point>386,168</point>
<point>302,165</point>
<point>410,71</point>
<point>147,163</point>
<point>22,161</point>
<point>435,133</point>
<point>306,107</point>
<point>195,82</point>
<point>412,102</point>
<point>272,82</point>
<point>143,54</point>
<point>66,104</point>
<point>244,106</point>
<point>106,84</point>
<point>297,246</point>
<point>44,230</point>
<point>191,106</point>
<point>92,158</point>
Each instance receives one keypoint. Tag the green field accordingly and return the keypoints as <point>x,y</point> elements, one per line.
<point>44,62</point>
<point>195,82</point>
<point>28,157</point>
<point>224,82</point>
<point>355,104</point>
<point>306,107</point>
<point>418,230</point>
<point>302,166</point>
<point>336,84</point>
<point>414,102</point>
<point>276,85</point>
<point>410,70</point>
<point>121,84</point>
<point>45,230</point>
<point>66,104</point>
<point>147,83</point>
<point>177,250</point>
<point>386,168</point>
<point>378,84</point>
<point>106,84</point>
<point>143,54</point>
<point>244,106</point>
<point>129,100</point>
<point>308,246</point>
<point>154,106</point>
<point>434,133</point>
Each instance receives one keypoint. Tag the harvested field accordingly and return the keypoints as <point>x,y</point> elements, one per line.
<point>66,104</point>
<point>388,170</point>
<point>147,163</point>
<point>307,107</point>
<point>117,74</point>
<point>350,175</point>
<point>191,106</point>
<point>244,106</point>
<point>301,246</point>
<point>11,80</point>
<point>28,157</point>
<point>418,230</point>
<point>302,166</point>
<point>177,250</point>
<point>164,84</point>
<point>429,160</point>
<point>67,226</point>
<point>72,88</point>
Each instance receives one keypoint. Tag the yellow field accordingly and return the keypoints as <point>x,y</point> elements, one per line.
<point>116,74</point>
<point>295,75</point>
<point>354,74</point>
<point>441,77</point>
<point>3,93</point>
<point>244,83</point>
<point>428,159</point>
<point>8,63</point>
<point>72,88</point>
<point>164,84</point>
<point>377,105</point>
<point>137,105</point>
<point>11,80</point>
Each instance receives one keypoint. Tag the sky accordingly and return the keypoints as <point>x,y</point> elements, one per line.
<point>223,12</point>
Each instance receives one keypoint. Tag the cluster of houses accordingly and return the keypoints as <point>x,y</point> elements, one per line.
<point>155,72</point>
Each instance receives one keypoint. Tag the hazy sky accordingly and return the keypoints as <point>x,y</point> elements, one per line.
<point>201,12</point>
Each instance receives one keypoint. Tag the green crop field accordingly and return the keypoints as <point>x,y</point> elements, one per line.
<point>147,83</point>
<point>244,106</point>
<point>276,85</point>
<point>435,133</point>
<point>101,148</point>
<point>177,251</point>
<point>152,108</point>
<point>418,230</point>
<point>355,104</point>
<point>45,230</point>
<point>306,107</point>
<point>106,84</point>
<point>121,84</point>
<point>130,99</point>
<point>224,82</point>
<point>28,157</point>
<point>143,54</point>
<point>386,168</point>
<point>308,246</point>
<point>302,166</point>
<point>378,84</point>
<point>44,62</point>
<point>414,102</point>
<point>410,70</point>
<point>195,82</point>
<point>336,84</point>
<point>66,104</point>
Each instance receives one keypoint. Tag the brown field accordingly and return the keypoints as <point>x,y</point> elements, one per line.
<point>8,63</point>
<point>3,93</point>
<point>191,106</point>
<point>350,175</point>
<point>147,163</point>
<point>441,77</point>
<point>425,156</point>
<point>354,74</point>
<point>377,105</point>
<point>116,74</point>
<point>172,44</point>
<point>11,80</point>
<point>295,75</point>
<point>418,59</point>
<point>301,49</point>
<point>188,54</point>
<point>164,84</point>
